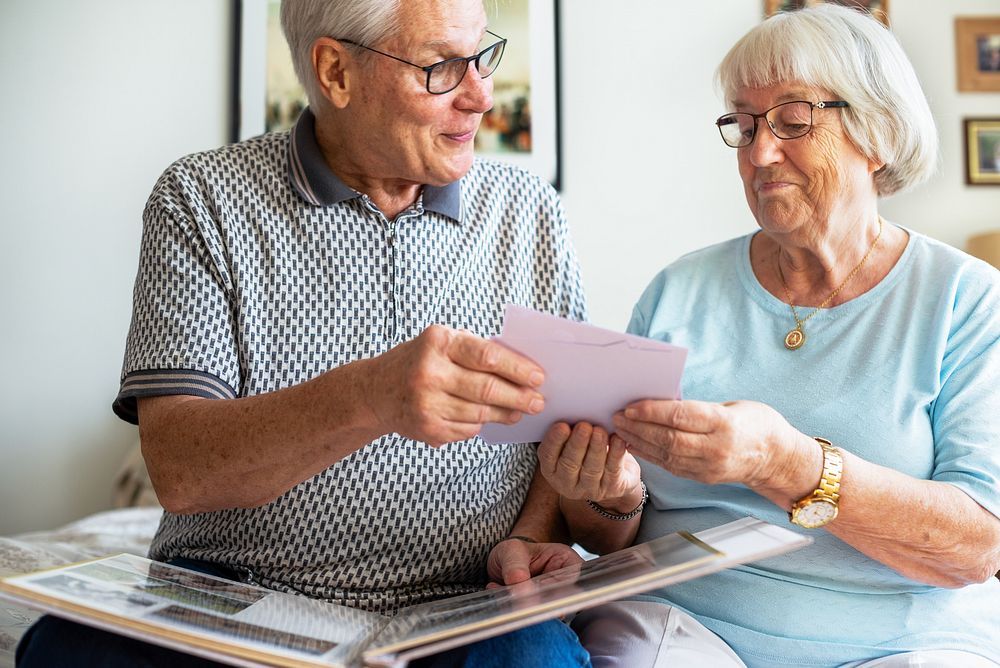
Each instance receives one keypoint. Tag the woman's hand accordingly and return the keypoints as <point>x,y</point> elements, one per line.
<point>583,463</point>
<point>735,442</point>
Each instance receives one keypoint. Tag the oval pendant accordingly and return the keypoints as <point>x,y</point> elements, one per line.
<point>794,339</point>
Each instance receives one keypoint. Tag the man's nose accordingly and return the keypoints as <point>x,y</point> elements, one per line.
<point>475,93</point>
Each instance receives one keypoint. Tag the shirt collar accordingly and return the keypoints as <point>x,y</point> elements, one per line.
<point>317,184</point>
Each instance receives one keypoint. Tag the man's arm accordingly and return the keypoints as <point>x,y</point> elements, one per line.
<point>541,520</point>
<point>206,455</point>
<point>537,542</point>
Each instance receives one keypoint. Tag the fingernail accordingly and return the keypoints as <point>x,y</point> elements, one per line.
<point>536,378</point>
<point>536,405</point>
<point>631,413</point>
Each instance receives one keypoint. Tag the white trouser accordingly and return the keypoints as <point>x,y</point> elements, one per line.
<point>637,634</point>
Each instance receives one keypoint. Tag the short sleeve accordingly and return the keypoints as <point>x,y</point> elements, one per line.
<point>646,306</point>
<point>182,338</point>
<point>966,413</point>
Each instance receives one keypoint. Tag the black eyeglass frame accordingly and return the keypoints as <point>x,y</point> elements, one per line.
<point>430,68</point>
<point>823,104</point>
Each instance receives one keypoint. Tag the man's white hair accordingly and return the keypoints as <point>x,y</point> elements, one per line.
<point>304,21</point>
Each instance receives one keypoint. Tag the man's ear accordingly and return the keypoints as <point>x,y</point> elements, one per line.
<point>333,67</point>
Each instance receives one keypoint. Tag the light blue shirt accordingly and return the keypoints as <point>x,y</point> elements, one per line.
<point>906,376</point>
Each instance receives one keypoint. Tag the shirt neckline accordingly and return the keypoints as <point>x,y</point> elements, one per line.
<point>774,305</point>
<point>316,183</point>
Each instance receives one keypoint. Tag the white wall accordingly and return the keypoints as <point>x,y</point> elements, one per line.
<point>100,97</point>
<point>646,176</point>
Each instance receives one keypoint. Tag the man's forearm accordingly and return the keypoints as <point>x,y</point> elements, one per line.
<point>540,518</point>
<point>206,454</point>
<point>438,388</point>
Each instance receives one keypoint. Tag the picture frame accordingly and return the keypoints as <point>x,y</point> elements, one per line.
<point>523,128</point>
<point>977,53</point>
<point>982,151</point>
<point>877,8</point>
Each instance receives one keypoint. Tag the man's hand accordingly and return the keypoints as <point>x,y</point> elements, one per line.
<point>513,560</point>
<point>445,384</point>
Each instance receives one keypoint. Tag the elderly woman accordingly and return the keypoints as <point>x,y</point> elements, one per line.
<point>843,376</point>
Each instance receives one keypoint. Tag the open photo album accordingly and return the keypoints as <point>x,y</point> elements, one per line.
<point>244,625</point>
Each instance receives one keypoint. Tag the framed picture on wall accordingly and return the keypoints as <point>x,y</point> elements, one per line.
<point>522,127</point>
<point>877,8</point>
<point>267,96</point>
<point>982,151</point>
<point>977,53</point>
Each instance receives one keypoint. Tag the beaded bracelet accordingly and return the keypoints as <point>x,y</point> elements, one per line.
<point>620,517</point>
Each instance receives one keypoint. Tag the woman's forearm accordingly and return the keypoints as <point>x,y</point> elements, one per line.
<point>594,532</point>
<point>929,531</point>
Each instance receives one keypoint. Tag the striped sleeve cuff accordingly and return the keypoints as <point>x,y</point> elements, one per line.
<point>162,382</point>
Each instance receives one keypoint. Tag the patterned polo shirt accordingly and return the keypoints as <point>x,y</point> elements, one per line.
<point>259,269</point>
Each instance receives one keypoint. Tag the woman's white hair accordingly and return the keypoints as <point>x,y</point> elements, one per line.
<point>855,58</point>
<point>304,21</point>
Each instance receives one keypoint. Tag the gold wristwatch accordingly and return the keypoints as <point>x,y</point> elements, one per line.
<point>819,507</point>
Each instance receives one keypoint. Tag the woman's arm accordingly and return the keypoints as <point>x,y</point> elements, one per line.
<point>587,467</point>
<point>927,530</point>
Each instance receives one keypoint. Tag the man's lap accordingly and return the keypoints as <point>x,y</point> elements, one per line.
<point>54,642</point>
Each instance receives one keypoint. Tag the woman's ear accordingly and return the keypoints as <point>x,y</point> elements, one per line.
<point>875,165</point>
<point>333,67</point>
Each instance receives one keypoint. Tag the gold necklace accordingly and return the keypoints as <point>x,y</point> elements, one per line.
<point>796,337</point>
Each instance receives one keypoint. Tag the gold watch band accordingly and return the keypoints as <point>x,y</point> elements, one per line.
<point>820,507</point>
<point>833,471</point>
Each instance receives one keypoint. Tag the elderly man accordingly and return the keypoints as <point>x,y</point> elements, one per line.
<point>310,317</point>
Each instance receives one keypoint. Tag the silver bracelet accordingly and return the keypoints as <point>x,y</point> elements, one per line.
<point>620,517</point>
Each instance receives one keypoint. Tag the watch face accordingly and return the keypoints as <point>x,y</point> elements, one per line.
<point>815,514</point>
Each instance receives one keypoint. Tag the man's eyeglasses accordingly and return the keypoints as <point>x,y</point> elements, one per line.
<point>788,120</point>
<point>445,76</point>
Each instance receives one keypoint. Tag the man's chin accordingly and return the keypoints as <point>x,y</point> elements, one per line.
<point>451,171</point>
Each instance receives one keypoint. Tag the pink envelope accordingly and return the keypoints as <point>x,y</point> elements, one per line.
<point>590,373</point>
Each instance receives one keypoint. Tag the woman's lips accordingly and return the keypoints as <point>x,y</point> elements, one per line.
<point>772,187</point>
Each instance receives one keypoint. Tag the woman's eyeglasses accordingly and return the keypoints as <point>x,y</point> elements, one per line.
<point>788,120</point>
